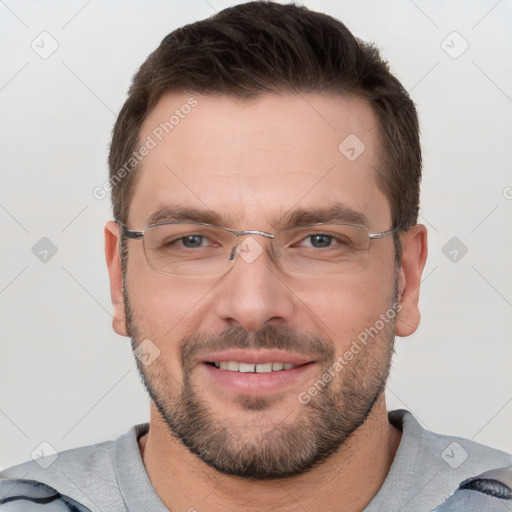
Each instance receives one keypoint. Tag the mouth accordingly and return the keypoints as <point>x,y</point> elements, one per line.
<point>257,373</point>
<point>236,366</point>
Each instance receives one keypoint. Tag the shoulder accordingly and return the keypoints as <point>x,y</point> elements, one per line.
<point>73,462</point>
<point>429,467</point>
<point>17,495</point>
<point>460,456</point>
<point>76,473</point>
<point>86,474</point>
<point>491,490</point>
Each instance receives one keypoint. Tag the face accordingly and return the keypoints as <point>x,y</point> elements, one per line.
<point>252,164</point>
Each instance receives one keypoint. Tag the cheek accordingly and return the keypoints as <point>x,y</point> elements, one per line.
<point>343,308</point>
<point>165,308</point>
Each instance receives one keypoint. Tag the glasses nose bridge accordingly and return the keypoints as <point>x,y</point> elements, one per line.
<point>254,232</point>
<point>246,232</point>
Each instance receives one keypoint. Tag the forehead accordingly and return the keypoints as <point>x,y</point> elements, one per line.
<point>252,161</point>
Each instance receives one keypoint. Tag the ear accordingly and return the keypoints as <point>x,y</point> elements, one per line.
<point>116,277</point>
<point>414,256</point>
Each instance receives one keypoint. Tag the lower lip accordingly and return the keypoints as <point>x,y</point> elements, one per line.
<point>251,383</point>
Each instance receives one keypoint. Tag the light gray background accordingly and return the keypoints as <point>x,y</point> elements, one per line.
<point>67,379</point>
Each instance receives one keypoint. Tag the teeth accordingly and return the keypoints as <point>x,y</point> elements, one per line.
<point>264,368</point>
<point>246,367</point>
<point>234,366</point>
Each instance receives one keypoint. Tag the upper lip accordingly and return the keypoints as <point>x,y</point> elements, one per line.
<point>256,357</point>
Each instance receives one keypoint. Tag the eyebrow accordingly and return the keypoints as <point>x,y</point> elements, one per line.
<point>299,216</point>
<point>185,214</point>
<point>335,213</point>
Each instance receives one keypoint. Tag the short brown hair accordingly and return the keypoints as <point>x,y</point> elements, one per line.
<point>260,47</point>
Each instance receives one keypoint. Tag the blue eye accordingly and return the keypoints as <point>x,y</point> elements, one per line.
<point>321,240</point>
<point>192,241</point>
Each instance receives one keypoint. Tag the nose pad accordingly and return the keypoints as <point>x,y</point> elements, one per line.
<point>232,254</point>
<point>251,248</point>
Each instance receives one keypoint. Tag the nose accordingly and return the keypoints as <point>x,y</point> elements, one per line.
<point>254,292</point>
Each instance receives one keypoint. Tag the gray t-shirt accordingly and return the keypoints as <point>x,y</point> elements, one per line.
<point>111,477</point>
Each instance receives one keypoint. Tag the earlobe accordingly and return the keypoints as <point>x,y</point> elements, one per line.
<point>116,277</point>
<point>414,256</point>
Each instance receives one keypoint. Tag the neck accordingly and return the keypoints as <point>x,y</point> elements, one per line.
<point>346,482</point>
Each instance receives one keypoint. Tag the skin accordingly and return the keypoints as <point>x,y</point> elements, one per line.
<point>252,161</point>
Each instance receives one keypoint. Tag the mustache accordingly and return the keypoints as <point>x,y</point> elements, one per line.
<point>287,339</point>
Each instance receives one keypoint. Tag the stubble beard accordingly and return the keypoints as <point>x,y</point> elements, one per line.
<point>314,433</point>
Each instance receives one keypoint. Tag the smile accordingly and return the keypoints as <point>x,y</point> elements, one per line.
<point>234,366</point>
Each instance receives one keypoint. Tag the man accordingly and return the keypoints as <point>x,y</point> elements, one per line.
<point>265,174</point>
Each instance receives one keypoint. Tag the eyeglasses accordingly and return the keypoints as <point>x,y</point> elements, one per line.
<point>197,249</point>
